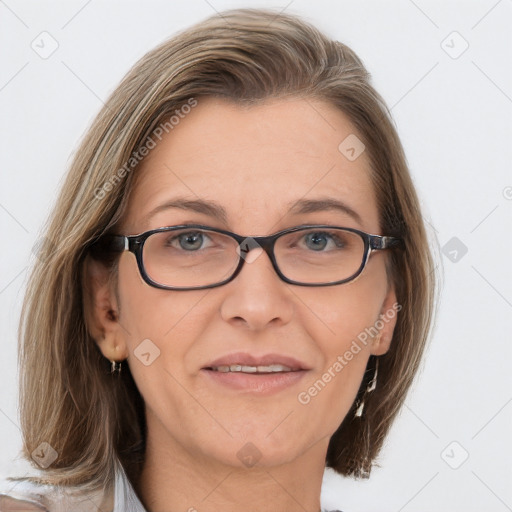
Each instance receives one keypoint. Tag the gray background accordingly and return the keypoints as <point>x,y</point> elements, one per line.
<point>451,445</point>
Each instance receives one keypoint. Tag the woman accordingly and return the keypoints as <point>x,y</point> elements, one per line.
<point>235,288</point>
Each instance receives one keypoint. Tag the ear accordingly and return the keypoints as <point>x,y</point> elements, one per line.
<point>386,322</point>
<point>102,311</point>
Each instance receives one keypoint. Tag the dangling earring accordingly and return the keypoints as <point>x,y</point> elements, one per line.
<point>371,387</point>
<point>115,368</point>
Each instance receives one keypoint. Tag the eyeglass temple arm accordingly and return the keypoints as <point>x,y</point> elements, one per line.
<point>379,242</point>
<point>109,244</point>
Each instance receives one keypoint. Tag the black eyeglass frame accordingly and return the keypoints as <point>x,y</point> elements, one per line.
<point>135,244</point>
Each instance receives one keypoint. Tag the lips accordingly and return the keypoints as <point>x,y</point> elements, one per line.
<point>263,375</point>
<point>248,363</point>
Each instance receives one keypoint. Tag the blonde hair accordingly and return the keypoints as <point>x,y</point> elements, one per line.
<point>68,398</point>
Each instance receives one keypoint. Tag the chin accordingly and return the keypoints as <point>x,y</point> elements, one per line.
<point>256,449</point>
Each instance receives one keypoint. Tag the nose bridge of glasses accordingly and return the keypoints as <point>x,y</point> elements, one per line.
<point>250,243</point>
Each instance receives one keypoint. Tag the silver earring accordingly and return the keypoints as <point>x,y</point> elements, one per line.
<point>371,387</point>
<point>115,368</point>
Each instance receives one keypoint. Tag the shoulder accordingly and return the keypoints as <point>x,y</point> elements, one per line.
<point>20,495</point>
<point>10,504</point>
<point>23,495</point>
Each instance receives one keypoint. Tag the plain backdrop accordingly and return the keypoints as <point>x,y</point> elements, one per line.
<point>444,69</point>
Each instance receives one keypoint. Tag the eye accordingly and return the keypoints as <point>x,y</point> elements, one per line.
<point>319,240</point>
<point>188,241</point>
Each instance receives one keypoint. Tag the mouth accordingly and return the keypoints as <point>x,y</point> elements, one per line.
<point>239,368</point>
<point>261,375</point>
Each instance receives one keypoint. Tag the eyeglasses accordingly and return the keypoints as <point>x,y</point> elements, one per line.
<point>193,256</point>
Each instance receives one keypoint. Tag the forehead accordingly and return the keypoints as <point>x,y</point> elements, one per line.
<point>254,162</point>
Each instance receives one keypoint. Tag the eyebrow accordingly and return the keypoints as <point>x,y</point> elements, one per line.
<point>215,210</point>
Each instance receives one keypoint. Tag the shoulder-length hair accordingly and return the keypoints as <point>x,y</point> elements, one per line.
<point>68,398</point>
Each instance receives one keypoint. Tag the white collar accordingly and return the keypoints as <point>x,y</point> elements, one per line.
<point>125,499</point>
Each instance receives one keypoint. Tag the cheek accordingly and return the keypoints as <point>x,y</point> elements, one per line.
<point>341,314</point>
<point>148,312</point>
<point>161,323</point>
<point>340,322</point>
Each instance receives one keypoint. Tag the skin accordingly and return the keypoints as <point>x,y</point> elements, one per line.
<point>252,161</point>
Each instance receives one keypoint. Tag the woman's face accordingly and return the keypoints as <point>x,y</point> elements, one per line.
<point>254,163</point>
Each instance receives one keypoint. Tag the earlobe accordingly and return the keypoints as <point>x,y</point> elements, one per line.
<point>101,311</point>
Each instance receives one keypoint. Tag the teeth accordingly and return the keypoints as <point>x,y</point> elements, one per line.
<point>273,368</point>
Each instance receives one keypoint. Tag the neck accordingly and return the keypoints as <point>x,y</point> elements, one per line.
<point>176,479</point>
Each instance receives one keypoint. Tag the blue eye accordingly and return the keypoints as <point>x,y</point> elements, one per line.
<point>320,240</point>
<point>190,241</point>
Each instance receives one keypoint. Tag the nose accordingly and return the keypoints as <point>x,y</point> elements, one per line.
<point>257,296</point>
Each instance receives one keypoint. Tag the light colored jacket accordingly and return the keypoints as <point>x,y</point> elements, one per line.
<point>27,497</point>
